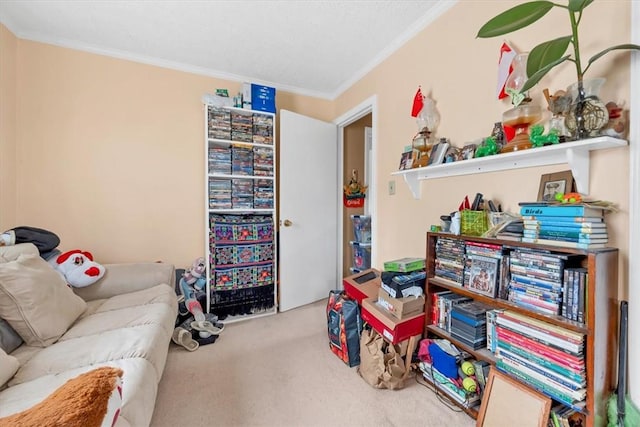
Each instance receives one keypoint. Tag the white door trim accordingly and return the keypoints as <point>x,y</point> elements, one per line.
<point>367,106</point>
<point>634,211</point>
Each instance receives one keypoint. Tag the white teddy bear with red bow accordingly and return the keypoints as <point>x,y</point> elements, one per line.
<point>78,268</point>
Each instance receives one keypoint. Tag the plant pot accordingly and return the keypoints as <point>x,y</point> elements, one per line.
<point>588,113</point>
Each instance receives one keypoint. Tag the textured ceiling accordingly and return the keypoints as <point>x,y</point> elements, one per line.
<point>311,47</point>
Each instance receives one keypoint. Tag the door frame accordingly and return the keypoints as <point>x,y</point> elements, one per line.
<point>368,106</point>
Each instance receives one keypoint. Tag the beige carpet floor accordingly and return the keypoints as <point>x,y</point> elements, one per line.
<point>278,371</point>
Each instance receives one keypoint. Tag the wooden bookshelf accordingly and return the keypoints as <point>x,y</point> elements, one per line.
<point>601,311</point>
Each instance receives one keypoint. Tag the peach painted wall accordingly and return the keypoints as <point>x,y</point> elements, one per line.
<point>112,153</point>
<point>8,48</point>
<point>461,75</point>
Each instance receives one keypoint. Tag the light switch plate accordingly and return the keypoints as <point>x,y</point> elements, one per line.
<point>392,187</point>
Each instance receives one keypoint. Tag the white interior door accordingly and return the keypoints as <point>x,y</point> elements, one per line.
<point>308,209</point>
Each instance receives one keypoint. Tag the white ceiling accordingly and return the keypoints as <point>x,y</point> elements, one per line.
<point>311,47</point>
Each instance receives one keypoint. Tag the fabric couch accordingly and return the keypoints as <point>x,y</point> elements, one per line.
<point>125,320</point>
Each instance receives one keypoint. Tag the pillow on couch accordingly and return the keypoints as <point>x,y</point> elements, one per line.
<point>8,367</point>
<point>92,399</point>
<point>36,301</point>
<point>9,338</point>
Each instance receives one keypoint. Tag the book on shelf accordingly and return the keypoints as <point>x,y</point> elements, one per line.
<point>565,236</point>
<point>573,210</point>
<point>569,220</point>
<point>580,227</point>
<point>565,243</point>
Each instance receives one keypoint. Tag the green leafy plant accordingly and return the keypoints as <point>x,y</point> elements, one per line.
<point>552,53</point>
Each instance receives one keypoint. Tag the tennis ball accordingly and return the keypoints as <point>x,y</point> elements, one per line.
<point>467,368</point>
<point>469,384</point>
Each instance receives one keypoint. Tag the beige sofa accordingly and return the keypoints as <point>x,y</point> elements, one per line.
<point>126,321</point>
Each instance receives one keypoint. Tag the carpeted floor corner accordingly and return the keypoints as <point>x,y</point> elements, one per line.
<point>278,371</point>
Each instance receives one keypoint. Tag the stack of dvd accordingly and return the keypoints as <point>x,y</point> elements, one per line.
<point>219,123</point>
<point>241,127</point>
<point>449,262</point>
<point>219,160</point>
<point>263,194</point>
<point>469,323</point>
<point>241,161</point>
<point>242,194</point>
<point>219,194</point>
<point>262,161</point>
<point>262,129</point>
<point>537,280</point>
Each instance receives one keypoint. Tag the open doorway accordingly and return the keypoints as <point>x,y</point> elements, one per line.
<point>356,152</point>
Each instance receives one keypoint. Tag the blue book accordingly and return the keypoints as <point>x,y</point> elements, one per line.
<point>564,243</point>
<point>569,235</point>
<point>584,227</point>
<point>582,238</point>
<point>563,219</point>
<point>561,210</point>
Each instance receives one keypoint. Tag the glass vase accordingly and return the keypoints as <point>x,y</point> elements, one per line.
<point>588,114</point>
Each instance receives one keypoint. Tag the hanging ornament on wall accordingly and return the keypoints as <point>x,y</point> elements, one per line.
<point>354,192</point>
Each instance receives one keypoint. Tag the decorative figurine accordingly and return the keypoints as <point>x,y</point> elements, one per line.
<point>488,147</point>
<point>538,139</point>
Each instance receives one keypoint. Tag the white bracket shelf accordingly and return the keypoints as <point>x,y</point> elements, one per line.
<point>576,154</point>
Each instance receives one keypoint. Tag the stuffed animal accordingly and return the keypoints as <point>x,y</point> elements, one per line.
<point>78,268</point>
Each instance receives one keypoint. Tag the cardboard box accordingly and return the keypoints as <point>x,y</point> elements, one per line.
<point>405,265</point>
<point>401,307</point>
<point>391,328</point>
<point>364,284</point>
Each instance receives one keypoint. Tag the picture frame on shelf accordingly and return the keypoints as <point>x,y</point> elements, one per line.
<point>438,152</point>
<point>406,161</point>
<point>483,275</point>
<point>507,402</point>
<point>552,183</point>
<point>468,151</point>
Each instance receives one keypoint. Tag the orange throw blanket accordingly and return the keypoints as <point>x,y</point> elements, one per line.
<point>80,402</point>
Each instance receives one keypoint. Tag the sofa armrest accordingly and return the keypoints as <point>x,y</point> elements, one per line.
<point>125,278</point>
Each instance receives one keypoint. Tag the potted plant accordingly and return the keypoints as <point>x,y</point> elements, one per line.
<point>552,53</point>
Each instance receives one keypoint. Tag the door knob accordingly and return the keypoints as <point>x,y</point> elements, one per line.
<point>287,223</point>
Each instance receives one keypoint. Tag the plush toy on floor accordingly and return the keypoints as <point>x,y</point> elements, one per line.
<point>78,268</point>
<point>192,281</point>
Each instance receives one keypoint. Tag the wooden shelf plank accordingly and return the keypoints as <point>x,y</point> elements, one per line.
<point>508,305</point>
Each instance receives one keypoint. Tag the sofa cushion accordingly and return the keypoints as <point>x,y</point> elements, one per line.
<point>8,367</point>
<point>139,388</point>
<point>36,301</point>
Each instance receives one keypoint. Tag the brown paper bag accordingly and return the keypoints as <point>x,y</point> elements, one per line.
<point>380,362</point>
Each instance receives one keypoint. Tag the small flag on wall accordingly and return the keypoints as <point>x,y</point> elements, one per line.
<point>418,103</point>
<point>507,53</point>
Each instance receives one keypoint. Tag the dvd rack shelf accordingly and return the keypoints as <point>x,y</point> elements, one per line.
<point>598,345</point>
<point>241,195</point>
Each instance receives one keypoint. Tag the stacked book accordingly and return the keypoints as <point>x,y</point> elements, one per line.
<point>573,226</point>
<point>262,161</point>
<point>537,280</point>
<point>441,306</point>
<point>469,323</point>
<point>220,194</point>
<point>547,357</point>
<point>485,270</point>
<point>263,194</point>
<point>574,294</point>
<point>242,193</point>
<point>449,260</point>
<point>241,161</point>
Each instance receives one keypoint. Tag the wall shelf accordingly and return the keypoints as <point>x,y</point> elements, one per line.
<point>576,154</point>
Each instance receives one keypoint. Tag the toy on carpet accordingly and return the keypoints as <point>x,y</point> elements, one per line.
<point>193,281</point>
<point>78,268</point>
